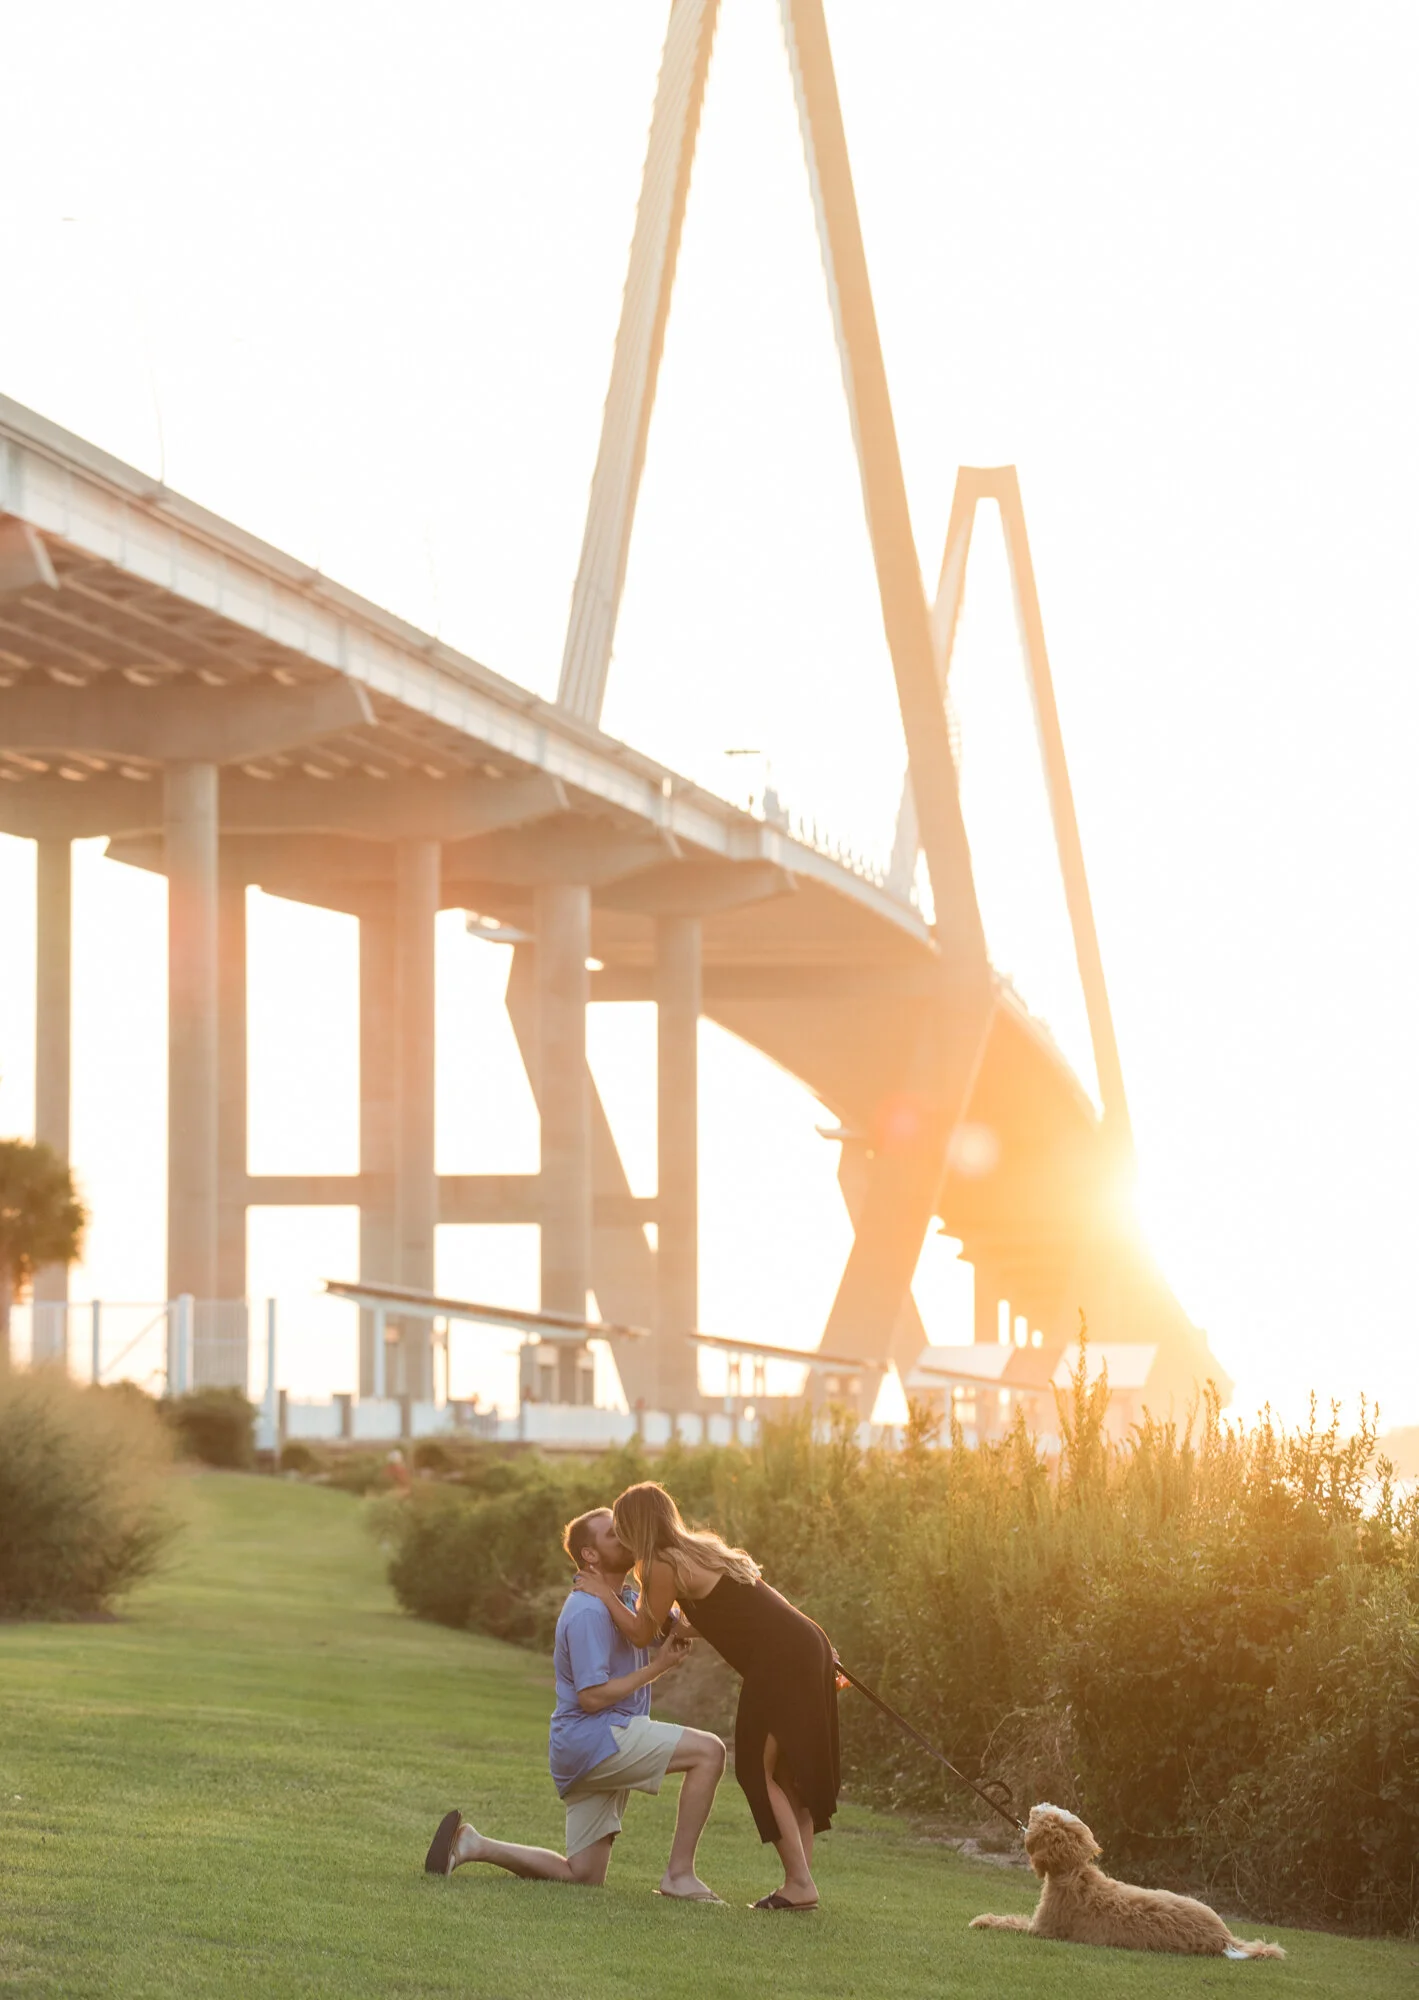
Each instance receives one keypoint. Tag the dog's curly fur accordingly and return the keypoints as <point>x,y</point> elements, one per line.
<point>1082,1905</point>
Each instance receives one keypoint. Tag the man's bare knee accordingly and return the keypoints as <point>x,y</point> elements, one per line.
<point>698,1750</point>
<point>589,1864</point>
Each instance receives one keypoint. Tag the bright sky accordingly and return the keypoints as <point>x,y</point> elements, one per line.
<point>356,290</point>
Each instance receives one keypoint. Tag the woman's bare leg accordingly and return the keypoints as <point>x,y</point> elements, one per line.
<point>805,1829</point>
<point>535,1864</point>
<point>798,1883</point>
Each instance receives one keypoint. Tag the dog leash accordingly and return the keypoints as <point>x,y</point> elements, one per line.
<point>931,1750</point>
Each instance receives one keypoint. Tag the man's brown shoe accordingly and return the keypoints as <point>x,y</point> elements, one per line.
<point>439,1859</point>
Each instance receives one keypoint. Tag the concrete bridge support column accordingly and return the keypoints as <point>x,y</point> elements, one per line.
<point>53,902</point>
<point>563,929</point>
<point>677,1002</point>
<point>377,1113</point>
<point>190,843</point>
<point>231,1088</point>
<point>416,902</point>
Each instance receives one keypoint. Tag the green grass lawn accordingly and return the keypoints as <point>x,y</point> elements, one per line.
<point>231,1790</point>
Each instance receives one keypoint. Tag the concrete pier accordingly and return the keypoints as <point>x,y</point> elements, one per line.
<point>53,955</point>
<point>377,1106</point>
<point>190,844</point>
<point>563,930</point>
<point>416,901</point>
<point>231,1087</point>
<point>677,999</point>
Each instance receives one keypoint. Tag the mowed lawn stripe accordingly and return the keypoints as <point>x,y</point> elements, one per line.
<point>229,1792</point>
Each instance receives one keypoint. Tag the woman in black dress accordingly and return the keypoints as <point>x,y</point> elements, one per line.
<point>786,1730</point>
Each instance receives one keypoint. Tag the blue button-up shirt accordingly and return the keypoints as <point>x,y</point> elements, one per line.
<point>589,1652</point>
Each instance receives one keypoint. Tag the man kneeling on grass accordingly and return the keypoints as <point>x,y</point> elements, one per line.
<point>604,1743</point>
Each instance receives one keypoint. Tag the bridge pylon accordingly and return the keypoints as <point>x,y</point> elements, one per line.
<point>942,1085</point>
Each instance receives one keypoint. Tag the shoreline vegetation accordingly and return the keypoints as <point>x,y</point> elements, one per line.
<point>1204,1639</point>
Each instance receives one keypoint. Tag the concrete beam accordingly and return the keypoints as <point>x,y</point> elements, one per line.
<point>338,870</point>
<point>573,848</point>
<point>58,809</point>
<point>462,1198</point>
<point>283,863</point>
<point>794,985</point>
<point>182,723</point>
<point>699,888</point>
<point>517,1198</point>
<point>24,560</point>
<point>372,809</point>
<point>315,1190</point>
<point>485,1198</point>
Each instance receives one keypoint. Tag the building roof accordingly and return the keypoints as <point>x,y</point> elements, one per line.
<point>1130,1365</point>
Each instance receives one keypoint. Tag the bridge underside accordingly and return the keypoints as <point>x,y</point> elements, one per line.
<point>227,718</point>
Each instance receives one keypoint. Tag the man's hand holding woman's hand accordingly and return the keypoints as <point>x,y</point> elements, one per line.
<point>672,1652</point>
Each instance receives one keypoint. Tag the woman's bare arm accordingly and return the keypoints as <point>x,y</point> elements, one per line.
<point>651,1614</point>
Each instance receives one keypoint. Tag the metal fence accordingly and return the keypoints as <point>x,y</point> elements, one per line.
<point>167,1347</point>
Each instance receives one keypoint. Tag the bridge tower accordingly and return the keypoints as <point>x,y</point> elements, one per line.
<point>895,1176</point>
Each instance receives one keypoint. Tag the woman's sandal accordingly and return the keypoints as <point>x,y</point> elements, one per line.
<point>439,1859</point>
<point>778,1901</point>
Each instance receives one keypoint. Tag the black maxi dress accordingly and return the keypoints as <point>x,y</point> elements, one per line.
<point>789,1693</point>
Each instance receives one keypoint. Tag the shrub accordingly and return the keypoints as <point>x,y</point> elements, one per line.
<point>215,1426</point>
<point>297,1456</point>
<point>356,1472</point>
<point>82,1517</point>
<point>492,1559</point>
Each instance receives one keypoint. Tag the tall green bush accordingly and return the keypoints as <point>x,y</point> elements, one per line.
<point>1205,1639</point>
<point>82,1513</point>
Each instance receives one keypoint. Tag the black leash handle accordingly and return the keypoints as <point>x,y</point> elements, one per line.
<point>932,1751</point>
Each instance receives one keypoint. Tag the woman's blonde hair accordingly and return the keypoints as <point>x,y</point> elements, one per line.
<point>647,1520</point>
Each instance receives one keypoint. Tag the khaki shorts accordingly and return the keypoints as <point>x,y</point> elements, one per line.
<point>596,1803</point>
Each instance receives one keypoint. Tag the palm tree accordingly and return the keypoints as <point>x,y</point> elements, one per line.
<point>42,1221</point>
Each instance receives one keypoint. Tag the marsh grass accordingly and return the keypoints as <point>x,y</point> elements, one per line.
<point>1202,1639</point>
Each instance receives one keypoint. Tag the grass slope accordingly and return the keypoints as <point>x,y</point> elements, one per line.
<point>230,1793</point>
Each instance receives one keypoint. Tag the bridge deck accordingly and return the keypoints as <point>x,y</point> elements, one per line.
<point>130,618</point>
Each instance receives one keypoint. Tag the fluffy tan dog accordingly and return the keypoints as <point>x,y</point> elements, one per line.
<point>1082,1905</point>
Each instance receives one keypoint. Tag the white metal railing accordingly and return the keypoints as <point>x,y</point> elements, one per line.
<point>762,802</point>
<point>177,1345</point>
